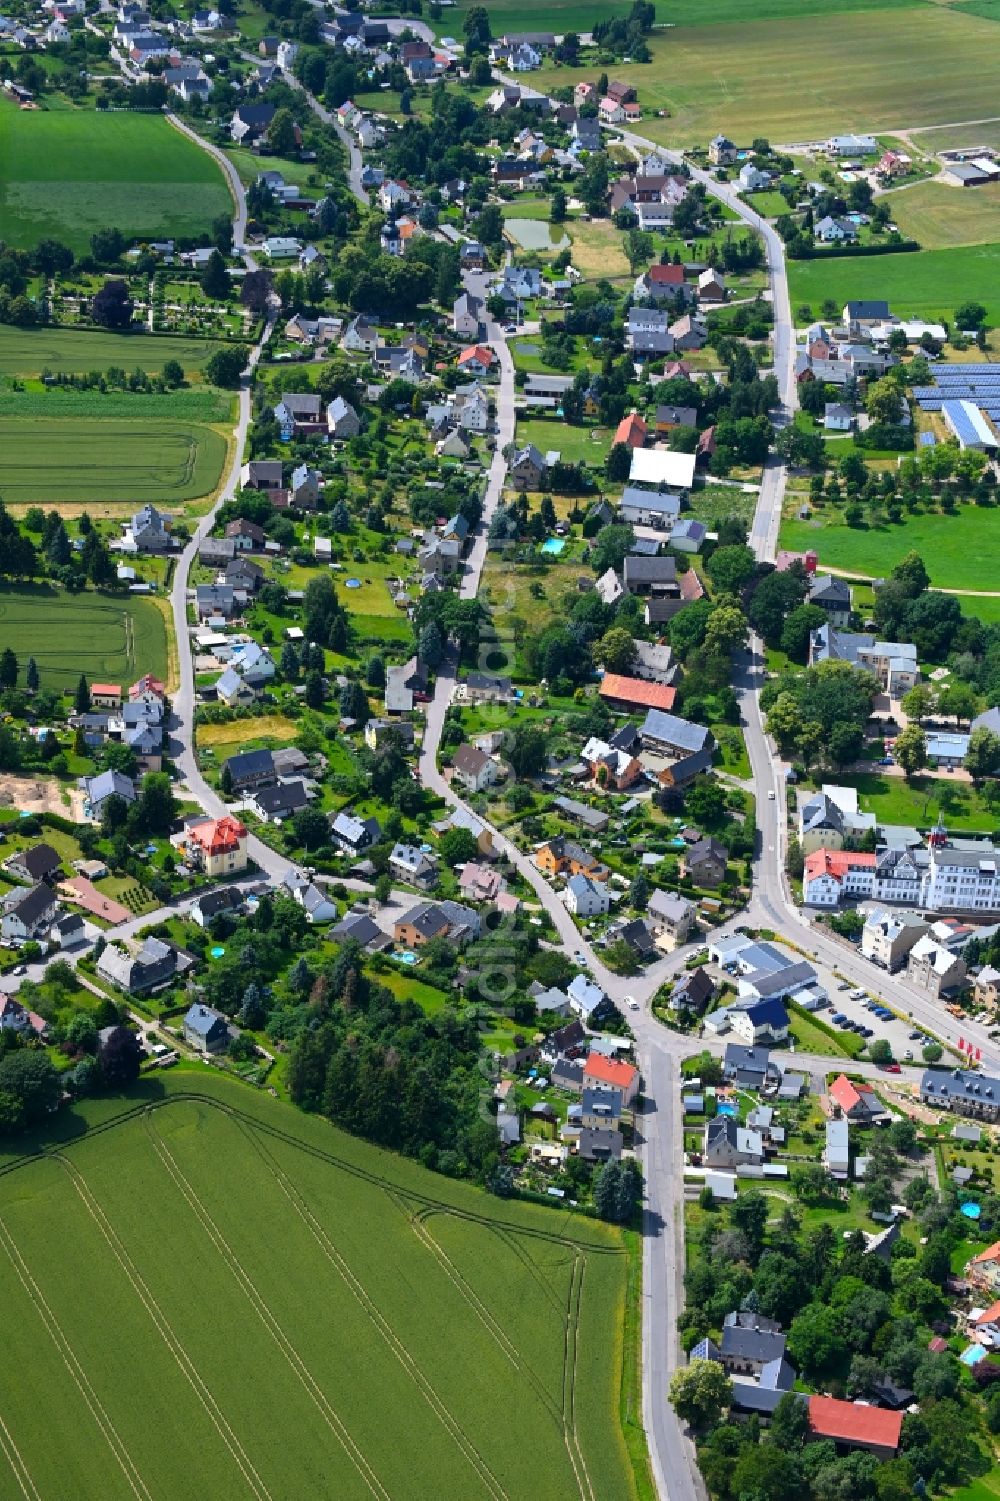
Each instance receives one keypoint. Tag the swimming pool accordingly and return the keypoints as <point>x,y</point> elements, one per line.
<point>407,957</point>
<point>726,1109</point>
<point>217,952</point>
<point>973,1355</point>
<point>971,1211</point>
<point>554,545</point>
<point>352,583</point>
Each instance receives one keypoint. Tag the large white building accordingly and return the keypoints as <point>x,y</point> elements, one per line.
<point>942,878</point>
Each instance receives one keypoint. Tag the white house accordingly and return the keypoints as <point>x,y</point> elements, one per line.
<point>586,898</point>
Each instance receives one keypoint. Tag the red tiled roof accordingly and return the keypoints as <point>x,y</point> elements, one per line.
<point>992,1253</point>
<point>219,835</point>
<point>632,430</point>
<point>610,1071</point>
<point>989,1315</point>
<point>836,863</point>
<point>637,691</point>
<point>845,1094</point>
<point>937,1345</point>
<point>692,587</point>
<point>830,1418</point>
<point>105,688</point>
<point>476,352</point>
<point>667,276</point>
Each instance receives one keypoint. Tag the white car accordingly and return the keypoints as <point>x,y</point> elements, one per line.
<point>770,796</point>
<point>631,1003</point>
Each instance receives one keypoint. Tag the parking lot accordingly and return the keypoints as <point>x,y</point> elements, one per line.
<point>857,1007</point>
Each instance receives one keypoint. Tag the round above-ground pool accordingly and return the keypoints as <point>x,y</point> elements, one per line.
<point>217,951</point>
<point>971,1211</point>
<point>352,583</point>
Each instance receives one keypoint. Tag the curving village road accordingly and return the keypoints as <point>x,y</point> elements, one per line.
<point>660,1135</point>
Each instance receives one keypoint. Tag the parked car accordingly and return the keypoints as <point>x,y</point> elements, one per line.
<point>890,1068</point>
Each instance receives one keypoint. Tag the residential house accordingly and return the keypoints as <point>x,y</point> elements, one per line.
<point>218,845</point>
<point>705,862</point>
<point>855,1425</point>
<point>670,918</point>
<point>352,834</point>
<point>963,1091</point>
<point>468,316</point>
<point>484,688</point>
<point>670,417</point>
<point>832,595</point>
<point>832,875</point>
<point>611,1073</point>
<point>407,862</point>
<point>711,286</point>
<point>888,937</point>
<point>659,508</point>
<point>830,819</point>
<point>837,1151</point>
<point>632,431</point>
<point>460,925</point>
<point>599,1145</point>
<point>155,964</point>
<point>693,990</point>
<point>650,575</point>
<point>205,1029</point>
<point>99,789</point>
<point>562,857</point>
<point>39,862</point>
<point>28,914</point>
<point>474,770</point>
<point>837,417</point>
<point>730,1145</point>
<point>688,535</point>
<point>278,803</point>
<point>149,532</point>
<point>342,420</point>
<point>477,359</point>
<point>987,987</point>
<point>250,121</point>
<point>261,474</point>
<point>934,968</point>
<point>762,1021</point>
<point>600,1109</point>
<point>298,414</point>
<point>527,468</point>
<point>212,904</point>
<point>855,1101</point>
<point>360,336</point>
<point>248,770</point>
<point>586,898</point>
<point>721,151</point>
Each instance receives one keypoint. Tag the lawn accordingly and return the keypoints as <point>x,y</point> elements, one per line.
<point>68,174</point>
<point>111,640</point>
<point>771,204</point>
<point>917,804</point>
<point>938,216</point>
<point>960,550</point>
<point>577,15</point>
<point>354,1319</point>
<point>878,73</point>
<point>71,351</point>
<point>96,459</point>
<point>266,727</point>
<point>930,284</point>
<point>575,444</point>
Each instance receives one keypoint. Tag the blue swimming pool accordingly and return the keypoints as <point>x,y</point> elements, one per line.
<point>727,1109</point>
<point>971,1211</point>
<point>554,545</point>
<point>217,952</point>
<point>407,957</point>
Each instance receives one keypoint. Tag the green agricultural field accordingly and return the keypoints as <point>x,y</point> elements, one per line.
<point>303,1314</point>
<point>26,352</point>
<point>578,15</point>
<point>203,405</point>
<point>111,640</point>
<point>878,73</point>
<point>67,174</point>
<point>937,216</point>
<point>929,284</point>
<point>960,551</point>
<point>107,459</point>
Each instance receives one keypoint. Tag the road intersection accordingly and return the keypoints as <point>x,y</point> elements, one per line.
<point>659,1051</point>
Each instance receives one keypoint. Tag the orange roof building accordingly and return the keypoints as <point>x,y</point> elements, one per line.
<point>479,354</point>
<point>147,684</point>
<point>630,692</point>
<point>665,276</point>
<point>632,431</point>
<point>219,845</point>
<point>611,1073</point>
<point>989,1315</point>
<point>830,875</point>
<point>856,1427</point>
<point>984,1268</point>
<point>857,1101</point>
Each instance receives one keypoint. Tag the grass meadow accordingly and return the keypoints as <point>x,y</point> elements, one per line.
<point>65,174</point>
<point>304,1315</point>
<point>97,459</point>
<point>878,71</point>
<point>579,15</point>
<point>26,352</point>
<point>937,216</point>
<point>960,551</point>
<point>111,640</point>
<point>929,284</point>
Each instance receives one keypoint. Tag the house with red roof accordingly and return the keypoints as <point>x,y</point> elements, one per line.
<point>610,1073</point>
<point>628,693</point>
<point>477,359</point>
<point>983,1270</point>
<point>632,431</point>
<point>856,1101</point>
<point>105,695</point>
<point>218,845</point>
<point>831,875</point>
<point>851,1425</point>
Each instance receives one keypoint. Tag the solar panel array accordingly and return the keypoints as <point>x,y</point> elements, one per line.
<point>963,427</point>
<point>979,384</point>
